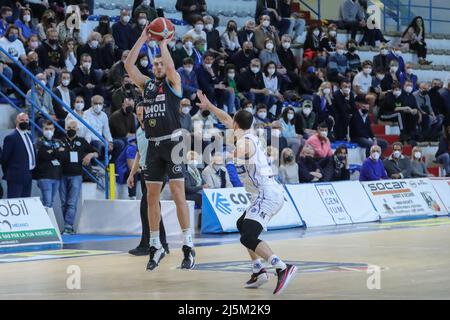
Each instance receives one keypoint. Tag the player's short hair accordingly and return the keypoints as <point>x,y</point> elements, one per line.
<point>244,119</point>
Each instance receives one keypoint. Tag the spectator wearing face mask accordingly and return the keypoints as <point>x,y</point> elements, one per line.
<point>323,105</point>
<point>337,64</point>
<point>418,165</point>
<point>320,142</point>
<point>306,119</point>
<point>103,26</point>
<point>251,83</point>
<point>308,168</point>
<point>243,58</point>
<point>431,124</point>
<point>269,54</point>
<point>42,100</point>
<point>78,108</point>
<point>203,124</point>
<point>344,105</point>
<point>188,79</point>
<point>397,165</point>
<point>247,33</point>
<point>216,175</point>
<point>229,38</point>
<point>312,42</point>
<point>143,64</point>
<point>145,8</point>
<point>351,17</point>
<point>127,90</point>
<point>213,41</point>
<point>50,52</point>
<point>328,41</point>
<point>185,51</point>
<point>117,72</point>
<point>98,120</point>
<point>435,97</point>
<point>232,94</point>
<point>287,58</point>
<point>363,80</point>
<point>26,27</point>
<point>123,122</point>
<point>354,60</point>
<point>373,167</point>
<point>7,18</point>
<point>67,96</point>
<point>445,98</point>
<point>396,55</point>
<point>340,164</point>
<point>48,171</point>
<point>77,152</point>
<point>210,82</point>
<point>65,32</point>
<point>85,82</point>
<point>379,86</point>
<point>185,116</point>
<point>361,128</point>
<point>92,48</point>
<point>11,43</point>
<point>410,76</point>
<point>109,53</point>
<point>198,31</point>
<point>122,31</point>
<point>69,55</point>
<point>392,76</point>
<point>140,21</point>
<point>288,172</point>
<point>288,131</point>
<point>443,153</point>
<point>85,28</point>
<point>194,182</point>
<point>381,61</point>
<point>265,31</point>
<point>191,9</point>
<point>413,116</point>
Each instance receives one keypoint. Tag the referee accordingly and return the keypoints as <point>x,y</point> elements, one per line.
<point>143,248</point>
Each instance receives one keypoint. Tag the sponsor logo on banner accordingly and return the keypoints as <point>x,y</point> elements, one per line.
<point>25,222</point>
<point>442,188</point>
<point>405,198</point>
<point>221,203</point>
<point>332,202</point>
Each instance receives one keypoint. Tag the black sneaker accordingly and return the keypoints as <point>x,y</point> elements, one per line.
<point>284,277</point>
<point>140,251</point>
<point>257,279</point>
<point>188,261</point>
<point>166,248</point>
<point>156,256</point>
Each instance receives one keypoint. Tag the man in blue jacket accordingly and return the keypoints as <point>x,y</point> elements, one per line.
<point>19,159</point>
<point>373,168</point>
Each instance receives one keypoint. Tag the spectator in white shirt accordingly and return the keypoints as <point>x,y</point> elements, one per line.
<point>230,40</point>
<point>197,32</point>
<point>363,80</point>
<point>98,120</point>
<point>70,59</point>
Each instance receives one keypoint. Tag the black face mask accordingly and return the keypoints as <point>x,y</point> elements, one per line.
<point>71,133</point>
<point>53,41</point>
<point>205,113</point>
<point>129,110</point>
<point>341,158</point>
<point>24,126</point>
<point>289,158</point>
<point>248,51</point>
<point>128,87</point>
<point>352,49</point>
<point>84,17</point>
<point>32,65</point>
<point>249,31</point>
<point>364,111</point>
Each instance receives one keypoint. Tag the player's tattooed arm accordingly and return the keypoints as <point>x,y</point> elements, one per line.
<point>130,63</point>
<point>221,115</point>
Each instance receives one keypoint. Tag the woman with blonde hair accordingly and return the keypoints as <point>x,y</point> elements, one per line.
<point>323,105</point>
<point>419,168</point>
<point>288,172</point>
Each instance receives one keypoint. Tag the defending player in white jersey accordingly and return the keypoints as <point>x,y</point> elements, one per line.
<point>267,195</point>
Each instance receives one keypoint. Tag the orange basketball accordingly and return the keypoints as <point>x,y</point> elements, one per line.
<point>160,29</point>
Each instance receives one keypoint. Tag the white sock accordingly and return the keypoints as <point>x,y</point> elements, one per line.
<point>277,263</point>
<point>187,238</point>
<point>257,265</point>
<point>154,239</point>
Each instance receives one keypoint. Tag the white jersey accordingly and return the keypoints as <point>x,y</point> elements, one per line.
<point>256,172</point>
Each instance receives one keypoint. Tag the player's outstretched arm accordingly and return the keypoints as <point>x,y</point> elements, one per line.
<point>221,115</point>
<point>130,63</point>
<point>171,72</point>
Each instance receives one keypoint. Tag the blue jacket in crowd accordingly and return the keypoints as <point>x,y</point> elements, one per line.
<point>372,170</point>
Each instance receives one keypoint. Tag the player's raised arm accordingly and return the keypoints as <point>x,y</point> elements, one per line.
<point>221,115</point>
<point>171,72</point>
<point>130,63</point>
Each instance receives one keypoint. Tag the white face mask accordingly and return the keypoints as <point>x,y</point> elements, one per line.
<point>346,91</point>
<point>326,91</point>
<point>262,115</point>
<point>79,106</point>
<point>143,22</point>
<point>384,52</point>
<point>255,69</point>
<point>44,82</point>
<point>307,111</point>
<point>94,44</point>
<point>87,65</point>
<point>290,116</point>
<point>260,131</point>
<point>48,134</point>
<point>375,155</point>
<point>286,45</point>
<point>231,75</point>
<point>367,70</point>
<point>398,53</point>
<point>65,82</point>
<point>333,33</point>
<point>144,63</point>
<point>316,33</point>
<point>208,27</point>
<point>324,134</point>
<point>126,19</point>
<point>276,132</point>
<point>199,27</point>
<point>394,69</point>
<point>185,110</point>
<point>397,93</point>
<point>418,155</point>
<point>27,18</point>
<point>269,46</point>
<point>409,89</point>
<point>397,154</point>
<point>34,44</point>
<point>409,71</point>
<point>98,108</point>
<point>340,51</point>
<point>249,110</point>
<point>194,163</point>
<point>266,23</point>
<point>188,45</point>
<point>380,76</point>
<point>189,69</point>
<point>152,44</point>
<point>271,71</point>
<point>208,65</point>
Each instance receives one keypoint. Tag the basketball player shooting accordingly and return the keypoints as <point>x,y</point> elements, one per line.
<point>162,97</point>
<point>267,196</point>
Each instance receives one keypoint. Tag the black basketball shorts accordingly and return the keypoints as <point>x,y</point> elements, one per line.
<point>159,163</point>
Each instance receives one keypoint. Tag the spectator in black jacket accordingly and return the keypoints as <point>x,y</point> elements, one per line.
<point>63,92</point>
<point>77,153</point>
<point>435,98</point>
<point>287,57</point>
<point>361,128</point>
<point>208,80</point>
<point>251,83</point>
<point>323,106</point>
<point>92,48</point>
<point>443,153</point>
<point>242,59</point>
<point>340,164</point>
<point>213,42</point>
<point>122,123</point>
<point>194,182</point>
<point>140,22</point>
<point>122,31</point>
<point>344,105</point>
<point>48,171</point>
<point>85,82</point>
<point>191,9</point>
<point>109,53</point>
<point>247,33</point>
<point>50,52</point>
<point>381,60</point>
<point>308,168</point>
<point>445,96</point>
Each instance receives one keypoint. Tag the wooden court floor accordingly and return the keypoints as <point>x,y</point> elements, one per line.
<point>414,264</point>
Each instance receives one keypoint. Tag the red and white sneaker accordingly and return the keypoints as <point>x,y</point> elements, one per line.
<point>284,277</point>
<point>257,279</point>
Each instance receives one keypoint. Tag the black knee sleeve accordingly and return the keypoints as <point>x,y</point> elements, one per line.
<point>240,221</point>
<point>250,231</point>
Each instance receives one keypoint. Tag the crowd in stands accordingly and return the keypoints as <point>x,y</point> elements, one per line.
<point>301,104</point>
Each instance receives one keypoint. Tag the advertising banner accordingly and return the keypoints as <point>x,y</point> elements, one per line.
<point>24,222</point>
<point>402,198</point>
<point>335,203</point>
<point>223,207</point>
<point>442,187</point>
